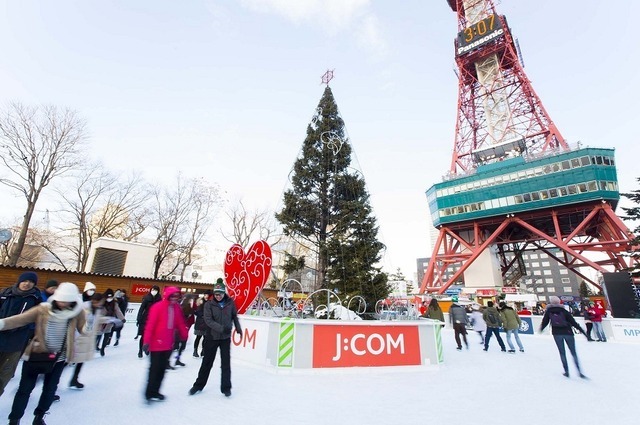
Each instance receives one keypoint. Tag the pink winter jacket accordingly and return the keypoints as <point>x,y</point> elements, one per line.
<point>157,332</point>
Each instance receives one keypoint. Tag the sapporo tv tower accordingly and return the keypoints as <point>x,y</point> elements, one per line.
<point>514,184</point>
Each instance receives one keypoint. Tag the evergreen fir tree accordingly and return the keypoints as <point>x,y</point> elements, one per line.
<point>633,214</point>
<point>327,207</point>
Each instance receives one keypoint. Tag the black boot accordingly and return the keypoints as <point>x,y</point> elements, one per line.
<point>75,384</point>
<point>195,353</point>
<point>38,419</point>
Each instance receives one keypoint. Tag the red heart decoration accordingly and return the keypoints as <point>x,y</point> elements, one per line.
<point>246,274</point>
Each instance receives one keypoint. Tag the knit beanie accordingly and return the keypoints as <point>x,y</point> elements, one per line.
<point>88,286</point>
<point>28,276</point>
<point>66,292</point>
<point>554,300</point>
<point>51,283</point>
<point>219,286</point>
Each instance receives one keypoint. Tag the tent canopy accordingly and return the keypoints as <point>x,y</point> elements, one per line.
<point>531,298</point>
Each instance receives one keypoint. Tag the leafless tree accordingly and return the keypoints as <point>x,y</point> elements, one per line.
<point>182,215</point>
<point>37,144</point>
<point>250,225</point>
<point>100,204</point>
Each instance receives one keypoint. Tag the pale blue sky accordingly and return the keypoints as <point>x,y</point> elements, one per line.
<point>225,89</point>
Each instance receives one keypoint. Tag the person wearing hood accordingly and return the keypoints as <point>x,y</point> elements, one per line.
<point>15,300</point>
<point>88,291</point>
<point>57,322</point>
<point>459,319</point>
<point>220,315</point>
<point>165,320</point>
<point>147,301</point>
<point>562,323</point>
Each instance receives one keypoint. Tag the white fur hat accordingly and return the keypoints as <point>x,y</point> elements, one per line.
<point>88,286</point>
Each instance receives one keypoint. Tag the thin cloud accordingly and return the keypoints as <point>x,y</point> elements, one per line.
<point>331,16</point>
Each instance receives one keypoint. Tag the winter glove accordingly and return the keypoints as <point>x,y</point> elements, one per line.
<point>145,348</point>
<point>239,331</point>
<point>124,321</point>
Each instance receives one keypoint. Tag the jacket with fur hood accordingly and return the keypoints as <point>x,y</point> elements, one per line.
<point>165,319</point>
<point>40,315</point>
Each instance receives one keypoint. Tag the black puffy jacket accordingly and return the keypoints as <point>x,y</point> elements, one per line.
<point>220,317</point>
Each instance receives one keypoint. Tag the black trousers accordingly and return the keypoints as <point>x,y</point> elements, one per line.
<point>210,348</point>
<point>157,367</point>
<point>28,379</point>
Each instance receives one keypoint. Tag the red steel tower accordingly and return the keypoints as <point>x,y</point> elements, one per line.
<point>514,183</point>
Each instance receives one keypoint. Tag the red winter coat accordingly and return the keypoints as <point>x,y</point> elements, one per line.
<point>157,332</point>
<point>595,313</point>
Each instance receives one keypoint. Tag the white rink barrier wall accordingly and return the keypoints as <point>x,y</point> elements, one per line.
<point>305,344</point>
<point>619,330</point>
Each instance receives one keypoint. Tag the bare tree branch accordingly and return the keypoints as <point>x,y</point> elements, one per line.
<point>37,144</point>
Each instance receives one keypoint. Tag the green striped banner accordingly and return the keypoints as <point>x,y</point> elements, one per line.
<point>439,348</point>
<point>285,343</point>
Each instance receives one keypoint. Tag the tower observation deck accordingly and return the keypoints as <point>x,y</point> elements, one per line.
<point>514,183</point>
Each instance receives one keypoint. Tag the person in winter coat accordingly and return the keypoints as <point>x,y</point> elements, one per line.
<point>478,322</point>
<point>123,304</point>
<point>49,289</point>
<point>88,291</point>
<point>56,324</point>
<point>200,327</point>
<point>596,313</point>
<point>491,317</point>
<point>164,321</point>
<point>458,318</point>
<point>147,301</point>
<point>115,319</point>
<point>511,324</point>
<point>220,315</point>
<point>186,305</point>
<point>15,300</point>
<point>434,311</point>
<point>561,328</point>
<point>85,342</point>
<point>587,321</point>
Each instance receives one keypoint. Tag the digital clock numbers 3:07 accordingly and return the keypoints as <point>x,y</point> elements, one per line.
<point>479,33</point>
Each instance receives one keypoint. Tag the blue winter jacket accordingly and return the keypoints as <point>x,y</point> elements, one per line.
<point>12,304</point>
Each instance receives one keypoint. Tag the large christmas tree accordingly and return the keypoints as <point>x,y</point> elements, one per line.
<point>327,208</point>
<point>633,215</point>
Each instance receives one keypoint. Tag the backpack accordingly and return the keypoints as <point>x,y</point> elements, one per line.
<point>492,319</point>
<point>557,319</point>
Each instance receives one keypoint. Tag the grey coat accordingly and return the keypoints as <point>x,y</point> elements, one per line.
<point>457,314</point>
